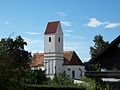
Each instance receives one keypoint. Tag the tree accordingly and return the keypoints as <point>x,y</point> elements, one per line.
<point>15,50</point>
<point>14,61</point>
<point>100,44</point>
<point>36,77</point>
<point>61,79</point>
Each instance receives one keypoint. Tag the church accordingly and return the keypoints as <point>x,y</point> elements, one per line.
<point>54,59</point>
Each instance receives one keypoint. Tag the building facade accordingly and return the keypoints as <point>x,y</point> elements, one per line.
<point>54,59</point>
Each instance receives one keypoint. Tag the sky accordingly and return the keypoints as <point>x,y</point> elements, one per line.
<point>81,20</point>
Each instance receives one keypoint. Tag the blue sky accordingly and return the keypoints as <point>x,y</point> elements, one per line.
<point>81,20</point>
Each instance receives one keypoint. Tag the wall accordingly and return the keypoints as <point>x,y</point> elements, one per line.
<point>77,68</point>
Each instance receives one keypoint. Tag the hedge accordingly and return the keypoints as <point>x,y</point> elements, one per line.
<point>45,87</point>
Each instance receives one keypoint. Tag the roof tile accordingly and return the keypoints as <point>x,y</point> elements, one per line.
<point>70,58</point>
<point>52,27</point>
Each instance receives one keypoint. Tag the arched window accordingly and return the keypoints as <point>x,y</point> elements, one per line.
<point>73,74</point>
<point>59,39</point>
<point>49,39</point>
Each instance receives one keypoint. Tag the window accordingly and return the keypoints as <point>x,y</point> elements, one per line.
<point>59,39</point>
<point>73,74</point>
<point>68,69</point>
<point>49,39</point>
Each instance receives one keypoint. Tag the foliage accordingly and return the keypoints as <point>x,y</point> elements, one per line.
<point>98,84</point>
<point>14,62</point>
<point>36,77</point>
<point>46,87</point>
<point>61,79</point>
<point>100,44</point>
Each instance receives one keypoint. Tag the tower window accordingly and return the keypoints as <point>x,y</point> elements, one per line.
<point>49,39</point>
<point>59,39</point>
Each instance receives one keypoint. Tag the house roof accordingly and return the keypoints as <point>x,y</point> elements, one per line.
<point>52,27</point>
<point>38,60</point>
<point>70,58</point>
<point>107,52</point>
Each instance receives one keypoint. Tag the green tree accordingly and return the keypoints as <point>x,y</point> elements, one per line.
<point>36,77</point>
<point>99,44</point>
<point>14,61</point>
<point>61,79</point>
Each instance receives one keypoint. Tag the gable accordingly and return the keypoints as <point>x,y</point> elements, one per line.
<point>71,58</point>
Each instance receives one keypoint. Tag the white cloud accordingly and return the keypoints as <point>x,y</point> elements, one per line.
<point>33,33</point>
<point>66,23</point>
<point>33,41</point>
<point>94,23</point>
<point>77,37</point>
<point>67,35</point>
<point>34,45</point>
<point>112,25</point>
<point>68,31</point>
<point>62,14</point>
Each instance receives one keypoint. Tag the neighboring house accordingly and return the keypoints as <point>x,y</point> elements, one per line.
<point>109,61</point>
<point>54,60</point>
<point>109,58</point>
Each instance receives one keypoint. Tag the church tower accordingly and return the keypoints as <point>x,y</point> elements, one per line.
<point>53,48</point>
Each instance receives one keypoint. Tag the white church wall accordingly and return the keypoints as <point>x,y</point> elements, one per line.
<point>58,66</point>
<point>49,46</point>
<point>59,45</point>
<point>78,71</point>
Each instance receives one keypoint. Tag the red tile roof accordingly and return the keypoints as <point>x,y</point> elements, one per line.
<point>38,60</point>
<point>52,27</point>
<point>70,58</point>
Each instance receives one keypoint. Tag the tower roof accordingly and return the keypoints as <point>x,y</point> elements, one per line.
<point>52,27</point>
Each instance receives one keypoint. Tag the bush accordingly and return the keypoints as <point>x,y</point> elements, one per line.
<point>34,87</point>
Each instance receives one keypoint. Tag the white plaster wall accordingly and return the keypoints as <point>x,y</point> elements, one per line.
<point>59,45</point>
<point>75,68</point>
<point>58,65</point>
<point>49,46</point>
<point>50,66</point>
